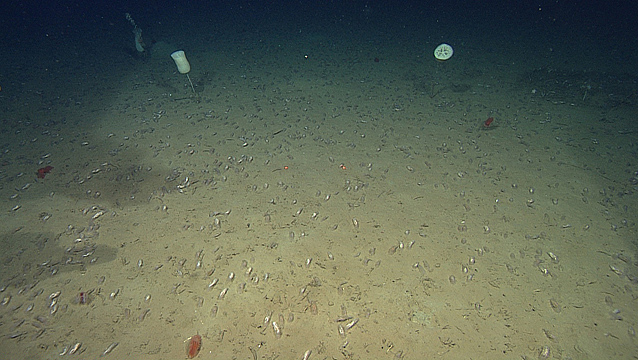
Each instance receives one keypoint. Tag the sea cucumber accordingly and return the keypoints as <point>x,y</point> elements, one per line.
<point>488,122</point>
<point>194,344</point>
<point>42,172</point>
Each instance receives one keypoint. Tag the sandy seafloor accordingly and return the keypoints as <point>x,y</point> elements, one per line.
<point>331,186</point>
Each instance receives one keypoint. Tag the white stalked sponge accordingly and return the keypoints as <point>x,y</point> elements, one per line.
<point>182,63</point>
<point>183,66</point>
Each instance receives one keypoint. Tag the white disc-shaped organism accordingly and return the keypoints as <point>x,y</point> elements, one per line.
<point>443,52</point>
